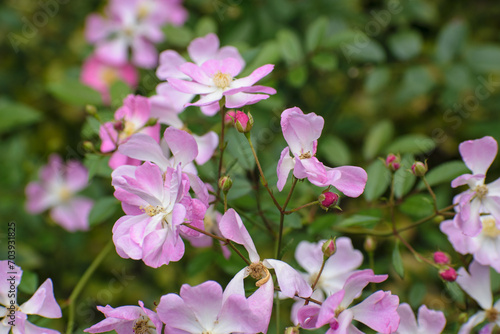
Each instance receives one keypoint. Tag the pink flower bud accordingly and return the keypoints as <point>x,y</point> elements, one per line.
<point>242,122</point>
<point>225,183</point>
<point>419,168</point>
<point>441,258</point>
<point>393,162</point>
<point>370,244</point>
<point>328,199</point>
<point>449,274</point>
<point>329,248</point>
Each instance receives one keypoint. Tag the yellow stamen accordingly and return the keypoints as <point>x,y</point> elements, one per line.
<point>481,191</point>
<point>109,75</point>
<point>258,271</point>
<point>222,80</point>
<point>490,228</point>
<point>306,155</point>
<point>143,325</point>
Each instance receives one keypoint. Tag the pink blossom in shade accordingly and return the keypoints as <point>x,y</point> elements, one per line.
<point>477,284</point>
<point>129,24</point>
<point>485,247</point>
<point>429,321</point>
<point>127,320</point>
<point>130,118</point>
<point>215,79</point>
<point>178,148</point>
<point>100,76</point>
<point>151,198</point>
<point>480,198</point>
<point>205,308</point>
<point>377,311</point>
<point>200,50</point>
<point>57,190</point>
<point>42,303</point>
<point>291,282</point>
<point>301,132</point>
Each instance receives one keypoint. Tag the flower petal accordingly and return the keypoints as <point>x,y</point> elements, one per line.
<point>285,164</point>
<point>232,228</point>
<point>479,154</point>
<point>43,302</point>
<point>477,283</point>
<point>290,280</point>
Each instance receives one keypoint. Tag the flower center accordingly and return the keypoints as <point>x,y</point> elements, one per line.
<point>492,314</point>
<point>128,130</point>
<point>65,194</point>
<point>143,325</point>
<point>222,80</point>
<point>108,75</point>
<point>481,191</point>
<point>153,210</point>
<point>490,228</point>
<point>306,155</point>
<point>143,11</point>
<point>258,271</point>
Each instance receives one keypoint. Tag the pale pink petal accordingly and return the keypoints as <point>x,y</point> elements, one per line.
<point>204,300</point>
<point>430,321</point>
<point>301,130</point>
<point>479,154</point>
<point>290,280</point>
<point>73,215</point>
<point>314,171</point>
<point>206,146</point>
<point>196,73</point>
<point>285,165</point>
<point>210,109</point>
<point>173,311</point>
<point>38,198</point>
<point>308,316</point>
<point>8,276</point>
<point>261,304</point>
<point>75,176</point>
<point>30,328</point>
<point>144,53</point>
<point>232,228</point>
<point>477,283</point>
<point>161,247</point>
<point>461,243</point>
<point>236,316</point>
<point>408,322</point>
<point>231,66</point>
<point>142,147</point>
<point>96,28</point>
<point>207,99</point>
<point>169,98</point>
<point>204,48</point>
<point>147,183</point>
<point>228,52</point>
<point>190,87</point>
<point>378,312</point>
<point>43,302</point>
<point>126,247</point>
<point>473,321</point>
<point>310,256</point>
<point>239,100</point>
<point>170,61</point>
<point>469,179</point>
<point>329,308</point>
<point>212,66</point>
<point>494,188</point>
<point>182,145</point>
<point>491,204</point>
<point>357,282</point>
<point>468,219</point>
<point>255,76</point>
<point>251,89</point>
<point>352,180</point>
<point>113,52</point>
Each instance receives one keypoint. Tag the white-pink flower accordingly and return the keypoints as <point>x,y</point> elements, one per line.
<point>377,311</point>
<point>100,75</point>
<point>14,317</point>
<point>127,320</point>
<point>205,308</point>
<point>290,281</point>
<point>301,132</point>
<point>429,321</point>
<point>130,118</point>
<point>57,190</point>
<point>151,199</point>
<point>480,198</point>
<point>485,246</point>
<point>477,284</point>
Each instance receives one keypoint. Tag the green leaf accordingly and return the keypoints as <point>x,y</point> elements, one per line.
<point>73,92</point>
<point>325,61</point>
<point>269,53</point>
<point>104,208</point>
<point>403,178</point>
<point>204,26</point>
<point>29,283</point>
<point>335,151</point>
<point>297,76</point>
<point>417,206</point>
<point>379,179</point>
<point>405,44</point>
<point>239,148</point>
<point>450,40</point>
<point>370,51</point>
<point>315,33</point>
<point>445,172</point>
<point>412,143</point>
<point>97,165</point>
<point>291,50</point>
<point>240,188</point>
<point>359,220</point>
<point>377,138</point>
<point>177,36</point>
<point>455,292</point>
<point>377,80</point>
<point>483,58</point>
<point>118,92</point>
<point>14,115</point>
<point>200,262</point>
<point>417,81</point>
<point>397,261</point>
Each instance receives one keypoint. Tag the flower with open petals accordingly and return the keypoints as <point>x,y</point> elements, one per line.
<point>205,308</point>
<point>57,190</point>
<point>429,321</point>
<point>301,132</point>
<point>480,198</point>
<point>15,317</point>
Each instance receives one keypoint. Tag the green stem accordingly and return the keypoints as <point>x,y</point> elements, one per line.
<point>81,284</point>
<point>222,145</point>
<point>300,207</point>
<point>282,218</point>
<point>431,192</point>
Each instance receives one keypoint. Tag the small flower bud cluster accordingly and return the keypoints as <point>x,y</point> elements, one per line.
<point>242,122</point>
<point>393,162</point>
<point>328,199</point>
<point>329,248</point>
<point>446,272</point>
<point>225,183</point>
<point>419,168</point>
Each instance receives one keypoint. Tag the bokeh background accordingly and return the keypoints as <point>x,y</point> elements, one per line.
<point>412,76</point>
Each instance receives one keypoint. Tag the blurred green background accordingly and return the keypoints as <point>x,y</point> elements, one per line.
<point>413,76</point>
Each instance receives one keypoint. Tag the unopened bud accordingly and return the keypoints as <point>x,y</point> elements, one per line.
<point>292,330</point>
<point>90,109</point>
<point>151,122</point>
<point>370,244</point>
<point>393,162</point>
<point>438,219</point>
<point>329,247</point>
<point>463,317</point>
<point>225,183</point>
<point>441,258</point>
<point>419,168</point>
<point>448,274</point>
<point>328,199</point>
<point>118,126</point>
<point>242,122</point>
<point>88,146</point>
